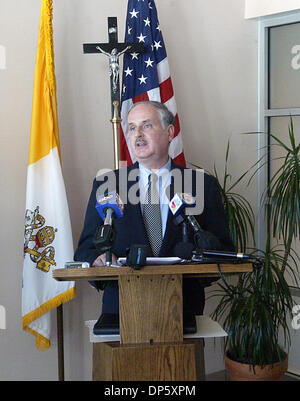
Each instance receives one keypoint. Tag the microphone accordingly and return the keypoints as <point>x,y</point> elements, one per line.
<point>225,254</point>
<point>136,256</point>
<point>181,201</point>
<point>109,207</point>
<point>184,249</point>
<point>203,239</point>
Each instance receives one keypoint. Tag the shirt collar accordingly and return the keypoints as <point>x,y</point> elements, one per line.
<point>163,175</point>
<point>162,172</point>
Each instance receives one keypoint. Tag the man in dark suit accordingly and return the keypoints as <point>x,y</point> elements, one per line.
<point>151,128</point>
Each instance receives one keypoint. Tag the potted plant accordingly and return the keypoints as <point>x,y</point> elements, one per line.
<point>253,311</point>
<point>255,308</point>
<point>283,193</point>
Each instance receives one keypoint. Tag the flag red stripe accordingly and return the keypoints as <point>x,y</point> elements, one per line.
<point>166,90</point>
<point>177,125</point>
<point>180,159</point>
<point>141,98</point>
<point>124,151</point>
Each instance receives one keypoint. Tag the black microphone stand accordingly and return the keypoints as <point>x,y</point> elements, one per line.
<point>185,248</point>
<point>104,240</point>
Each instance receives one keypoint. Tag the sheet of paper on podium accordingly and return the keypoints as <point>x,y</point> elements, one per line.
<point>157,261</point>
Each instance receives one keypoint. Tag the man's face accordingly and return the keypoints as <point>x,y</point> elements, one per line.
<point>149,142</point>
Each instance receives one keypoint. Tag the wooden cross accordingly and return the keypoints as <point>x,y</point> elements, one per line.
<point>113,49</point>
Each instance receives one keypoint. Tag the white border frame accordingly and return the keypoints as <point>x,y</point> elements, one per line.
<point>264,113</point>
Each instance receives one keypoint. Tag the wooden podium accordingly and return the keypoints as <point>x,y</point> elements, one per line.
<point>151,346</point>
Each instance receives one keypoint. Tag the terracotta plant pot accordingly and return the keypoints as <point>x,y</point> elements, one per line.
<point>244,372</point>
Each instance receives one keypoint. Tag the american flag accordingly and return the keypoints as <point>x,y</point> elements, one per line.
<point>146,76</point>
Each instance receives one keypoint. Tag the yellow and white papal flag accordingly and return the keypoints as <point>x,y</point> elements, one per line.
<point>48,240</point>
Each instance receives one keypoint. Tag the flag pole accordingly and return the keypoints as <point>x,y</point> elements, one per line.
<point>116,122</point>
<point>60,343</point>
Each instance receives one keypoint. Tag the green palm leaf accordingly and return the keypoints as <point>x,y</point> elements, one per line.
<point>238,209</point>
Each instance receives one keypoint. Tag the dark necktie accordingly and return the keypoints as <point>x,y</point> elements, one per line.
<point>152,215</point>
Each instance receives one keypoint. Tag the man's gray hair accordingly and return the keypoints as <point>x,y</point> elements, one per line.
<point>166,117</point>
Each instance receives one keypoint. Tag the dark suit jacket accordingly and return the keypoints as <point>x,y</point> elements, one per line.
<point>130,230</point>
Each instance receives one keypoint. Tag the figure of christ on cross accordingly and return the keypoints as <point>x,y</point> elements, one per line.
<point>114,68</point>
<point>113,49</point>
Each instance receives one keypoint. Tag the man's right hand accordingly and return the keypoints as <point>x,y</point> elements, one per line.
<point>101,260</point>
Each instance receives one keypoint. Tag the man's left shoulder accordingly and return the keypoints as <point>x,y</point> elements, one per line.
<point>208,178</point>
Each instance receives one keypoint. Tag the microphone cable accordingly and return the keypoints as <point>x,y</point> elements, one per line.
<point>257,265</point>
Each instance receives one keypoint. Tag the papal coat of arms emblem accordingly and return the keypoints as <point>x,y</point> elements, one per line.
<point>42,254</point>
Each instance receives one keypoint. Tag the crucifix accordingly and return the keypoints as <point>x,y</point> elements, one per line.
<point>113,50</point>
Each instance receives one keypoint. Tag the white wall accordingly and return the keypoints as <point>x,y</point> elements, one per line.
<point>259,8</point>
<point>212,54</point>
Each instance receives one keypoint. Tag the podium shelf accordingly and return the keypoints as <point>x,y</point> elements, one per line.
<point>206,328</point>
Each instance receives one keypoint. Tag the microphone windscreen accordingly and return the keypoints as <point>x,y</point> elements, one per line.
<point>112,201</point>
<point>137,256</point>
<point>183,250</point>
